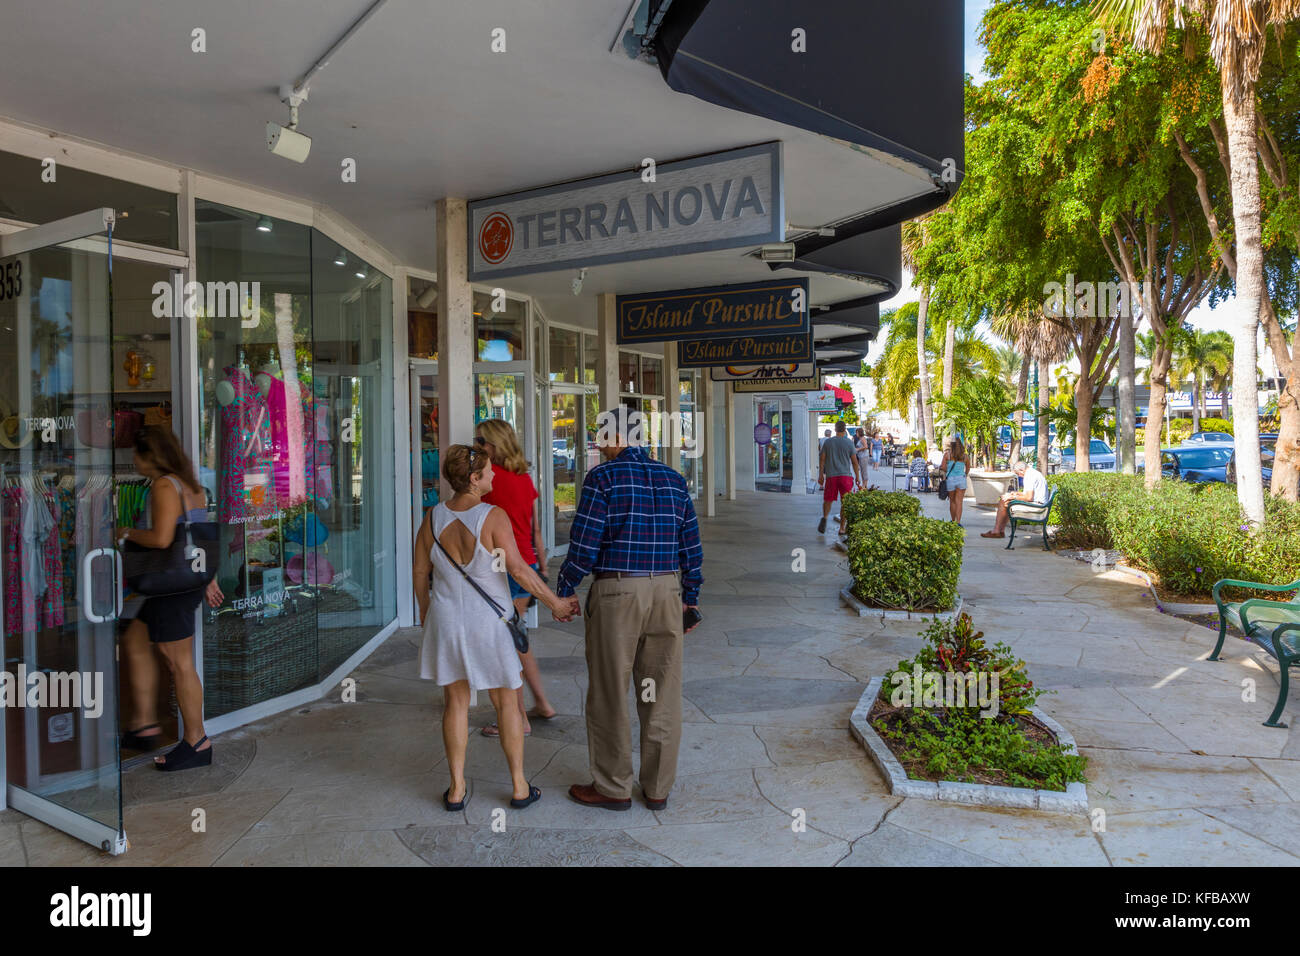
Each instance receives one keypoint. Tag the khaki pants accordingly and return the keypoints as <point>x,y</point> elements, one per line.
<point>634,631</point>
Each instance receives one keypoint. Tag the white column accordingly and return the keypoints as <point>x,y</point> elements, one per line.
<point>607,351</point>
<point>709,473</point>
<point>672,409</point>
<point>456,350</point>
<point>730,436</point>
<point>801,446</point>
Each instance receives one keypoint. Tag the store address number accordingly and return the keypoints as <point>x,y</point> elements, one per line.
<point>11,280</point>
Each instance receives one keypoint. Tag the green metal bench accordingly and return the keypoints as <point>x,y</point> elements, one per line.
<point>1024,512</point>
<point>1273,625</point>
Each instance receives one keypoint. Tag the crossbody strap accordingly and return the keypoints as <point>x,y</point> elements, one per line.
<point>472,583</point>
<point>185,514</point>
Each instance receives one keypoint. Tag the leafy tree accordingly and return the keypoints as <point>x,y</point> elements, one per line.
<point>977,409</point>
<point>1236,30</point>
<point>1199,355</point>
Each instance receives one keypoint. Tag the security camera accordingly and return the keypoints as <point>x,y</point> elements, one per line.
<point>577,281</point>
<point>287,142</point>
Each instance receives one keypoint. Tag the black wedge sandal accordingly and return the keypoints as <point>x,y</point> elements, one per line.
<point>131,740</point>
<point>458,805</point>
<point>184,756</point>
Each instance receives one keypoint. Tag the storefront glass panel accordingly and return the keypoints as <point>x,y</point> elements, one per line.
<point>564,355</point>
<point>565,453</point>
<point>294,451</point>
<point>500,334</point>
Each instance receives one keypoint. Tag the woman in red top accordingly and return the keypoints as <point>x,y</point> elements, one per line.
<point>514,492</point>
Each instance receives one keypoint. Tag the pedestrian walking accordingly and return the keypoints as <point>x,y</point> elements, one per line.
<point>514,493</point>
<point>636,533</point>
<point>953,467</point>
<point>877,449</point>
<point>836,469</point>
<point>467,643</point>
<point>863,446</point>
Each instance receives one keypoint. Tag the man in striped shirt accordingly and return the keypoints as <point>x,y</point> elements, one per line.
<point>635,531</point>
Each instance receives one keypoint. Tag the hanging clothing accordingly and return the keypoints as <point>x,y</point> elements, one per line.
<point>246,480</point>
<point>33,562</point>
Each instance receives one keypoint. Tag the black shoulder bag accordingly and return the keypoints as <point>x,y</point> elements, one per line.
<point>942,489</point>
<point>187,564</point>
<point>518,630</point>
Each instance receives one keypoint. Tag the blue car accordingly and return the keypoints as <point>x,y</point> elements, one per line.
<point>1199,463</point>
<point>1101,457</point>
<point>1267,452</point>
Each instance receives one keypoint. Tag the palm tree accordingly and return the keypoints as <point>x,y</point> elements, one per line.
<point>915,236</point>
<point>977,408</point>
<point>1199,355</point>
<point>1237,33</point>
<point>896,372</point>
<point>1043,343</point>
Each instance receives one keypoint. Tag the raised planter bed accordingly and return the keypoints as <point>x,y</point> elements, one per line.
<point>1074,799</point>
<point>988,486</point>
<point>855,603</point>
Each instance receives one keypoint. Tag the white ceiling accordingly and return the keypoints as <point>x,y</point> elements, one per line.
<point>421,103</point>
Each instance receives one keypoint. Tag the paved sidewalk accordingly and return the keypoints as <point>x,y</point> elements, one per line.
<point>1178,762</point>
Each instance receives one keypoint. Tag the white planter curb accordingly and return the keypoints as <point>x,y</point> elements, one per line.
<point>1169,607</point>
<point>866,610</point>
<point>1073,800</point>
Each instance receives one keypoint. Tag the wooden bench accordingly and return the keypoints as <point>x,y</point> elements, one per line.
<point>1026,512</point>
<point>1273,625</point>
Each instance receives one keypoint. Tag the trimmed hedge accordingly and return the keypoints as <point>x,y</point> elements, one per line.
<point>906,562</point>
<point>1189,535</point>
<point>873,503</point>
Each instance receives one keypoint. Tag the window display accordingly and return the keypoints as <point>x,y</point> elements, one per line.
<point>291,451</point>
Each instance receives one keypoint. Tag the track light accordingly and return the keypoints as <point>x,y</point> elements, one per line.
<point>263,224</point>
<point>341,259</point>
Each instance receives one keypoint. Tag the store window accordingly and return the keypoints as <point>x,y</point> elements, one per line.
<point>686,406</point>
<point>500,333</point>
<point>144,215</point>
<point>652,375</point>
<point>295,453</point>
<point>564,355</point>
<point>590,357</point>
<point>629,373</point>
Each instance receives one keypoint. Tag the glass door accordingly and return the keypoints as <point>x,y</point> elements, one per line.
<point>503,390</point>
<point>567,455</point>
<point>61,575</point>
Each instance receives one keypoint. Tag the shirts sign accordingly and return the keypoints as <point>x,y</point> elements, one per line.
<point>720,201</point>
<point>764,308</point>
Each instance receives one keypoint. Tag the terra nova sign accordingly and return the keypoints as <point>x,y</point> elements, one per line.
<point>719,201</point>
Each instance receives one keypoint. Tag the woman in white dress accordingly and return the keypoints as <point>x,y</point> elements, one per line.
<point>466,644</point>
<point>863,446</point>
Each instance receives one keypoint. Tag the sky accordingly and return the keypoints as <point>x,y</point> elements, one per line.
<point>1202,317</point>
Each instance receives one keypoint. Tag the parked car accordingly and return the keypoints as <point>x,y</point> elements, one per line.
<point>1267,452</point>
<point>561,454</point>
<point>1101,457</point>
<point>1200,463</point>
<point>1208,438</point>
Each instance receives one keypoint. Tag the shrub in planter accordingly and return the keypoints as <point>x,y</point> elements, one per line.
<point>1216,425</point>
<point>906,562</point>
<point>1084,506</point>
<point>999,744</point>
<point>1189,535</point>
<point>873,503</point>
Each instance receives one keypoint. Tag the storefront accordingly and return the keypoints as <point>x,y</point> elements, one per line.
<point>261,334</point>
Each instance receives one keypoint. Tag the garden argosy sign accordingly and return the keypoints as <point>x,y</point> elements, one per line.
<point>719,201</point>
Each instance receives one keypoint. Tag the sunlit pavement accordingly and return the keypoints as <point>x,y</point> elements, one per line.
<point>1179,763</point>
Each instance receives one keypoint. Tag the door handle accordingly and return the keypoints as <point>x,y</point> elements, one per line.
<point>87,584</point>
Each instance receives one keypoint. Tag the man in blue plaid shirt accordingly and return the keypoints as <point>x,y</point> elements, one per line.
<point>635,531</point>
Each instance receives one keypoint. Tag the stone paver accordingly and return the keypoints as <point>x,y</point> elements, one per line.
<point>1179,761</point>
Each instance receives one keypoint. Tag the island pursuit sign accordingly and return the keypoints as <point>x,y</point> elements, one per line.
<point>764,308</point>
<point>719,201</point>
<point>746,350</point>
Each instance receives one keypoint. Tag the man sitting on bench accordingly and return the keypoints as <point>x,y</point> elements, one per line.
<point>1035,493</point>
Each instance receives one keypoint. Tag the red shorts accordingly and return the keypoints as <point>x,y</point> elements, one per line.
<point>837,486</point>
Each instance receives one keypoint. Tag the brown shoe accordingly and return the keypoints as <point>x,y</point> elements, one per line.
<point>992,534</point>
<point>589,796</point>
<point>655,804</point>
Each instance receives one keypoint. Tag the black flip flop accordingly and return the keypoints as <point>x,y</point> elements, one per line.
<point>453,807</point>
<point>533,796</point>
